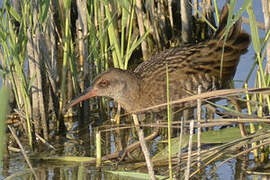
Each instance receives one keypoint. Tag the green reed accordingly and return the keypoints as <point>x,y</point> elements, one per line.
<point>4,96</point>
<point>13,47</point>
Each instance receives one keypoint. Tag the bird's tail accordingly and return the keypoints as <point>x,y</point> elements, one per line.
<point>236,37</point>
<point>231,46</point>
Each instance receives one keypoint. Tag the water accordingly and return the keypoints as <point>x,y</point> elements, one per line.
<point>82,142</point>
<point>83,145</point>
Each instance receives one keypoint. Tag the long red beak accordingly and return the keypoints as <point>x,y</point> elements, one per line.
<point>88,93</point>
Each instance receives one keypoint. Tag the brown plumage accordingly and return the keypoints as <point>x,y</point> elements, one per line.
<point>189,66</point>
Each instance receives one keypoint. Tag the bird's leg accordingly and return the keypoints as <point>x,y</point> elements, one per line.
<point>210,112</point>
<point>187,114</point>
<point>237,107</point>
<point>116,119</point>
<point>136,145</point>
<point>145,150</point>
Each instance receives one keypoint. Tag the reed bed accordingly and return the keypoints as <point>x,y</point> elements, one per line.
<point>51,50</point>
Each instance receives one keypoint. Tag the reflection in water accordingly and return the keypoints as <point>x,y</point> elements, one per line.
<point>80,141</point>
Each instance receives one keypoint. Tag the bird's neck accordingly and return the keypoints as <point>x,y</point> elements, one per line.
<point>130,99</point>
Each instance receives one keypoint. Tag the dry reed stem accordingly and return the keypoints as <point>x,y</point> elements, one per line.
<point>199,110</point>
<point>251,125</point>
<point>45,142</point>
<point>213,152</point>
<point>209,95</point>
<point>98,149</point>
<point>217,152</point>
<point>244,152</point>
<point>214,122</point>
<point>153,23</point>
<point>139,12</point>
<point>35,45</point>
<point>187,173</point>
<point>145,150</point>
<point>170,13</point>
<point>218,149</point>
<point>82,31</point>
<point>207,163</point>
<point>180,143</point>
<point>186,15</point>
<point>22,150</point>
<point>181,140</point>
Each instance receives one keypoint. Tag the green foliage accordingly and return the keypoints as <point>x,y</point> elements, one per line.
<point>4,94</point>
<point>12,12</point>
<point>209,137</point>
<point>133,175</point>
<point>257,48</point>
<point>13,46</point>
<point>254,29</point>
<point>44,8</point>
<point>68,159</point>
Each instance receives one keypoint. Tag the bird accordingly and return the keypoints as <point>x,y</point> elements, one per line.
<point>188,66</point>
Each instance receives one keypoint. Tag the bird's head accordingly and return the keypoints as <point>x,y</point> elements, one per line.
<point>114,83</point>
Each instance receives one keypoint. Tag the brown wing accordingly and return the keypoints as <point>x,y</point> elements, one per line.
<point>184,74</point>
<point>193,65</point>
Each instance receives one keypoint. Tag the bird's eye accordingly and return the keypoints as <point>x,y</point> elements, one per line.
<point>104,83</point>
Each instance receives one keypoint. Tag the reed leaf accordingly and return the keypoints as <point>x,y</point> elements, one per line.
<point>241,10</point>
<point>15,48</point>
<point>134,45</point>
<point>67,43</point>
<point>128,51</point>
<point>254,29</point>
<point>43,13</point>
<point>4,94</point>
<point>216,11</point>
<point>257,46</point>
<point>134,175</point>
<point>12,12</point>
<point>116,53</point>
<point>124,21</point>
<point>265,39</point>
<point>169,122</point>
